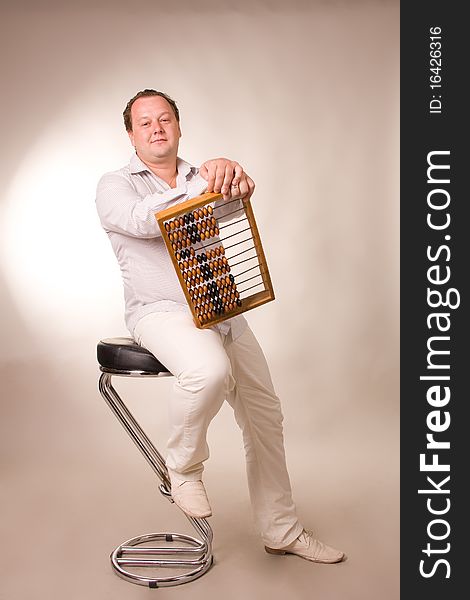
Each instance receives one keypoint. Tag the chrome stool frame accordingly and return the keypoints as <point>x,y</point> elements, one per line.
<point>135,553</point>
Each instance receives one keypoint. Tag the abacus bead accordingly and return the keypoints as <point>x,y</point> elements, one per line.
<point>210,209</point>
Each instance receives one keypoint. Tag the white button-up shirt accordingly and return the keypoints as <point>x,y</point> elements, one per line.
<point>127,201</point>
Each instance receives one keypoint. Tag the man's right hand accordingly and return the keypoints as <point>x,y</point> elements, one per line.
<point>227,177</point>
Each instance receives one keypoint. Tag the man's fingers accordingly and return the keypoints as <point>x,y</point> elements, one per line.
<point>211,177</point>
<point>245,188</point>
<point>228,179</point>
<point>242,189</point>
<point>221,174</point>
<point>237,174</point>
<point>251,186</point>
<point>219,177</point>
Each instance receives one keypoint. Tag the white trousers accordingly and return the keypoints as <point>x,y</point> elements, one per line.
<point>208,368</point>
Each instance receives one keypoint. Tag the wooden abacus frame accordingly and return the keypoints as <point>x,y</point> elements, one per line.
<point>178,242</point>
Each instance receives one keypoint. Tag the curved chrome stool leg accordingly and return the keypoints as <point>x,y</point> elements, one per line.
<point>136,553</point>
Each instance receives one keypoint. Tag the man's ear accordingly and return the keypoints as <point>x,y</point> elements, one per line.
<point>131,137</point>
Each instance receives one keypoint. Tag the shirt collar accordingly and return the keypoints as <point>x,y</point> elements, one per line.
<point>183,167</point>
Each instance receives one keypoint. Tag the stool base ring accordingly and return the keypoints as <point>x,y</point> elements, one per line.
<point>133,554</point>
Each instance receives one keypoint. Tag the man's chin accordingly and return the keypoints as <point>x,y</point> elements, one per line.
<point>157,155</point>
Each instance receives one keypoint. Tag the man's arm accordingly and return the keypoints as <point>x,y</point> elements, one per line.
<point>123,210</point>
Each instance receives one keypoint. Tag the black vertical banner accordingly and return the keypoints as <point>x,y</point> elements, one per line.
<point>435,268</point>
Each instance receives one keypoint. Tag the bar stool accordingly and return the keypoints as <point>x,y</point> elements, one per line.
<point>124,358</point>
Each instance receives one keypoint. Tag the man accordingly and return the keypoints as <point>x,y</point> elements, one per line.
<point>209,365</point>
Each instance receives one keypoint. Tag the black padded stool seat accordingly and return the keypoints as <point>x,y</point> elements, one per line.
<point>124,354</point>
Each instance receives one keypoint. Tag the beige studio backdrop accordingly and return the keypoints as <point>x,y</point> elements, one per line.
<point>305,96</point>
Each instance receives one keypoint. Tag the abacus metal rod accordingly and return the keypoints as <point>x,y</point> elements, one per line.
<point>246,271</point>
<point>220,204</point>
<point>238,243</point>
<point>243,251</point>
<point>226,238</point>
<point>243,261</point>
<point>232,213</point>
<point>251,287</point>
<point>232,224</point>
<point>249,279</point>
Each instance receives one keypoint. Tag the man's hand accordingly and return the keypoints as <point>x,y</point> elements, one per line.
<point>227,177</point>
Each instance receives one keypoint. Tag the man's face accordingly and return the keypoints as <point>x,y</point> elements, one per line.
<point>155,131</point>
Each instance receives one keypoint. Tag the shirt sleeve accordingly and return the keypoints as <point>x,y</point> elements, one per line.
<point>123,210</point>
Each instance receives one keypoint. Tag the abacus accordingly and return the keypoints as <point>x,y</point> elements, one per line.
<point>216,250</point>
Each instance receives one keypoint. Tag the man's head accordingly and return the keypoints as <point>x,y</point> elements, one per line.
<point>152,123</point>
<point>145,94</point>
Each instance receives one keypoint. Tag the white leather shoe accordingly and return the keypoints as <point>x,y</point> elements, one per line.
<point>306,546</point>
<point>191,497</point>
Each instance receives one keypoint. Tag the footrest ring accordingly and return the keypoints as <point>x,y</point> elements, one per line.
<point>177,551</point>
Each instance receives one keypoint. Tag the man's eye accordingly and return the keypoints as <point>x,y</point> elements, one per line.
<point>165,120</point>
<point>145,124</point>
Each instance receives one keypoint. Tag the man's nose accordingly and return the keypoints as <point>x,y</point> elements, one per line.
<point>158,128</point>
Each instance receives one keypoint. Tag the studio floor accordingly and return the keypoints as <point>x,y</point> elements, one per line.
<point>75,487</point>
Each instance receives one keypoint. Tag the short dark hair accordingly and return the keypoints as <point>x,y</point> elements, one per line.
<point>127,111</point>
